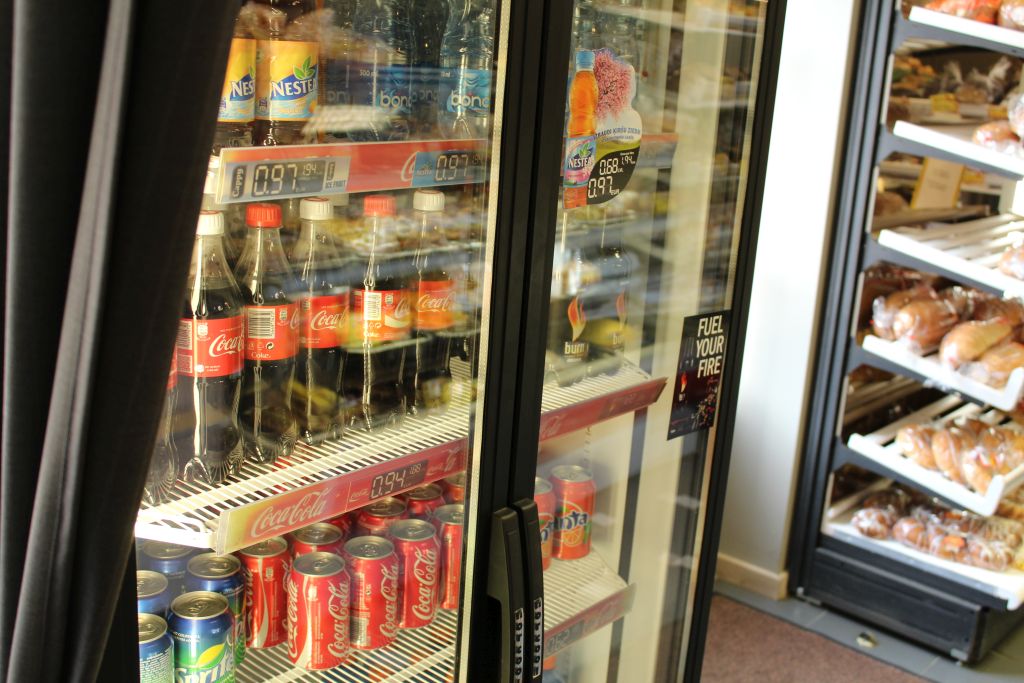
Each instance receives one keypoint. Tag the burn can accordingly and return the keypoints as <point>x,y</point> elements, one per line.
<point>318,611</point>
<point>574,509</point>
<point>373,566</point>
<point>222,574</point>
<point>544,496</point>
<point>448,519</point>
<point>151,589</point>
<point>204,638</point>
<point>418,552</point>
<point>317,538</point>
<point>423,500</point>
<point>455,488</point>
<point>169,559</point>
<point>376,518</point>
<point>265,569</point>
<point>156,650</point>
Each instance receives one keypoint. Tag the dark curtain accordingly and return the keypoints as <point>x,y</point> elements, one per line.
<point>111,112</point>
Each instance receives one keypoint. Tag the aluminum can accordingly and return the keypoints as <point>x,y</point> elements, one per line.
<point>378,516</point>
<point>265,568</point>
<point>156,650</point>
<point>423,500</point>
<point>544,496</point>
<point>222,574</point>
<point>574,510</point>
<point>448,519</point>
<point>318,611</point>
<point>169,559</point>
<point>419,557</point>
<point>203,630</point>
<point>151,588</point>
<point>455,488</point>
<point>373,566</point>
<point>344,522</point>
<point>317,538</point>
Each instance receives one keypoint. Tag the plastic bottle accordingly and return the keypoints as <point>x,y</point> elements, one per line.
<point>323,325</point>
<point>287,71</point>
<point>379,77</point>
<point>428,32</point>
<point>428,375</point>
<point>209,350</point>
<point>238,94</point>
<point>271,337</point>
<point>581,129</point>
<point>163,464</point>
<point>619,32</point>
<point>607,304</point>
<point>464,83</point>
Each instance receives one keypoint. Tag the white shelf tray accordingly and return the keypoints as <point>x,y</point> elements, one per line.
<point>971,249</point>
<point>1008,585</point>
<point>880,446</point>
<point>968,27</point>
<point>580,597</point>
<point>934,372</point>
<point>957,140</point>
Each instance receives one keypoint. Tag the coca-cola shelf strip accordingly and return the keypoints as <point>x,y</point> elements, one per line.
<point>312,484</point>
<point>925,23</point>
<point>931,371</point>
<point>581,596</point>
<point>423,654</point>
<point>595,399</point>
<point>949,142</point>
<point>969,251</point>
<point>880,447</point>
<point>1008,585</point>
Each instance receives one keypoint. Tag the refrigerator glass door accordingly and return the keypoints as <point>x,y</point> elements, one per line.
<point>324,386</point>
<point>658,129</point>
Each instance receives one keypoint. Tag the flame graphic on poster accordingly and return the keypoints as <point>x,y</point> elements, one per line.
<point>577,318</point>
<point>620,308</point>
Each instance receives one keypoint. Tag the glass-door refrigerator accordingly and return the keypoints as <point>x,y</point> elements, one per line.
<point>449,374</point>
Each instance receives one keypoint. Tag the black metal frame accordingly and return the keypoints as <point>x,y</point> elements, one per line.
<point>934,611</point>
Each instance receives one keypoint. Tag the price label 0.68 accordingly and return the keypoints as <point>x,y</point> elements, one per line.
<point>258,180</point>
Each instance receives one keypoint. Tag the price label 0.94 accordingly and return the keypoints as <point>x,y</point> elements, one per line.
<point>452,167</point>
<point>265,179</point>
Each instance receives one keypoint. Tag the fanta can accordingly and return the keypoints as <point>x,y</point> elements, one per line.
<point>581,132</point>
<point>287,71</point>
<point>574,511</point>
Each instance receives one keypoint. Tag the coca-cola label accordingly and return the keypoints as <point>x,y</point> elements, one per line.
<point>271,332</point>
<point>383,315</point>
<point>434,304</point>
<point>424,584</point>
<point>324,322</point>
<point>276,520</point>
<point>211,347</point>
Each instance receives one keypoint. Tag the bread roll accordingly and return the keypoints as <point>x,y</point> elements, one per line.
<point>915,442</point>
<point>996,364</point>
<point>1012,261</point>
<point>885,308</point>
<point>911,532</point>
<point>977,467</point>
<point>949,447</point>
<point>874,522</point>
<point>991,555</point>
<point>921,325</point>
<point>969,340</point>
<point>948,545</point>
<point>1011,14</point>
<point>1009,311</point>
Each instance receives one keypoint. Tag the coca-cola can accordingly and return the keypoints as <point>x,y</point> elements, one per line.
<point>448,520</point>
<point>419,556</point>
<point>455,488</point>
<point>344,522</point>
<point>373,565</point>
<point>544,496</point>
<point>423,500</point>
<point>376,518</point>
<point>318,611</point>
<point>265,569</point>
<point>319,537</point>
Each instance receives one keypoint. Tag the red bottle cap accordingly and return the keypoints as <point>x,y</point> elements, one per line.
<point>379,205</point>
<point>263,216</point>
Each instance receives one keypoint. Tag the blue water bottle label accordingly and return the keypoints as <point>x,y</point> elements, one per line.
<point>384,87</point>
<point>335,77</point>
<point>424,85</point>
<point>465,91</point>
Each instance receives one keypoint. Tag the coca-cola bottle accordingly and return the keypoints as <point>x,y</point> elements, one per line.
<point>271,337</point>
<point>428,375</point>
<point>381,322</point>
<point>209,350</point>
<point>323,324</point>
<point>163,464</point>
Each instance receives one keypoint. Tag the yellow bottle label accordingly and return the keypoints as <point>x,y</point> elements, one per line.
<point>286,80</point>
<point>238,96</point>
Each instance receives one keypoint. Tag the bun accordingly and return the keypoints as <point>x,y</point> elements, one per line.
<point>915,442</point>
<point>921,325</point>
<point>969,340</point>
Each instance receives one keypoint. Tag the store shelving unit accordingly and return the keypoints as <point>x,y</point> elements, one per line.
<point>946,28</point>
<point>949,142</point>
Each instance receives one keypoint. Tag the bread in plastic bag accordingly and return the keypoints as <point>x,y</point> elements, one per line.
<point>989,308</point>
<point>1011,14</point>
<point>995,365</point>
<point>885,308</point>
<point>915,442</point>
<point>921,325</point>
<point>967,341</point>
<point>978,10</point>
<point>1012,261</point>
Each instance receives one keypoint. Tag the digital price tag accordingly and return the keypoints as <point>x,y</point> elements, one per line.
<point>398,479</point>
<point>451,167</point>
<point>258,180</point>
<point>611,174</point>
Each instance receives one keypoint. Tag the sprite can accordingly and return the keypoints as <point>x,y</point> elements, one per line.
<point>221,574</point>
<point>202,626</point>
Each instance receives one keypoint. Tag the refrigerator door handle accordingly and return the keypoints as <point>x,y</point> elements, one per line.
<point>505,584</point>
<point>534,568</point>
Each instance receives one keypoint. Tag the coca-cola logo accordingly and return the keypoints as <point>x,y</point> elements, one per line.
<point>337,607</point>
<point>409,168</point>
<point>402,307</point>
<point>305,510</point>
<point>293,619</point>
<point>424,568</point>
<point>389,591</point>
<point>223,345</point>
<point>324,320</point>
<point>437,304</point>
<point>250,613</point>
<point>551,425</point>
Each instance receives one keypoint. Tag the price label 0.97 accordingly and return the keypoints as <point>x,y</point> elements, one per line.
<point>244,180</point>
<point>452,167</point>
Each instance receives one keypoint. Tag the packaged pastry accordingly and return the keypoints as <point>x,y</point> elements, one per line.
<point>996,364</point>
<point>1012,261</point>
<point>949,447</point>
<point>978,10</point>
<point>992,555</point>
<point>921,325</point>
<point>1009,311</point>
<point>915,442</point>
<point>949,545</point>
<point>967,341</point>
<point>998,136</point>
<point>1011,14</point>
<point>874,522</point>
<point>978,467</point>
<point>885,308</point>
<point>911,532</point>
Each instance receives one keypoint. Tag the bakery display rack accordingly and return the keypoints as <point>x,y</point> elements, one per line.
<point>952,143</point>
<point>948,29</point>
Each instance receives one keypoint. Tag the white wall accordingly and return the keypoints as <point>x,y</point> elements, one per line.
<point>795,216</point>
